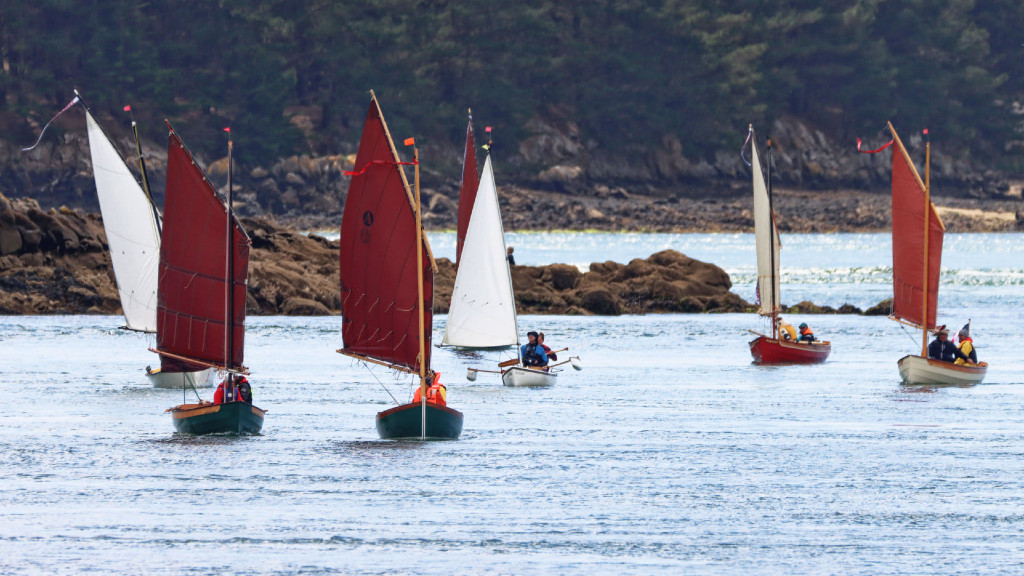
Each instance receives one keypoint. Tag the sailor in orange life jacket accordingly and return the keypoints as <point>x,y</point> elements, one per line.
<point>805,334</point>
<point>436,392</point>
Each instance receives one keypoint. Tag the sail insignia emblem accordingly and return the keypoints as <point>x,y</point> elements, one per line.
<point>368,218</point>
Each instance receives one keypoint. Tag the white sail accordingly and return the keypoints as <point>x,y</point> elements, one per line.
<point>133,233</point>
<point>767,238</point>
<point>483,307</point>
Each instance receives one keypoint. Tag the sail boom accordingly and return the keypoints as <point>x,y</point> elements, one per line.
<point>390,365</point>
<point>199,362</point>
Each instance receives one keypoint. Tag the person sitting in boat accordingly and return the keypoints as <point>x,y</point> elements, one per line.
<point>942,349</point>
<point>244,390</point>
<point>218,394</point>
<point>551,355</point>
<point>966,347</point>
<point>786,331</point>
<point>227,391</point>
<point>511,258</point>
<point>806,335</point>
<point>532,353</point>
<point>437,393</point>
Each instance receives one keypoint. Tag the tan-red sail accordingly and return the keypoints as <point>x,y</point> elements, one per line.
<point>467,193</point>
<point>379,297</point>
<point>909,206</point>
<point>191,293</point>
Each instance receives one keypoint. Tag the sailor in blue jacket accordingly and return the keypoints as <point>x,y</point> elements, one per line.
<point>533,353</point>
<point>942,349</point>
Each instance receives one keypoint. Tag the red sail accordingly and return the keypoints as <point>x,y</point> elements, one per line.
<point>379,295</point>
<point>908,251</point>
<point>192,307</point>
<point>467,193</point>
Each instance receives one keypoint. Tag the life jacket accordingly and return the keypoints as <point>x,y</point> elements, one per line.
<point>436,394</point>
<point>804,332</point>
<point>966,346</point>
<point>530,357</point>
<point>787,332</point>
<point>218,394</point>
<point>244,391</point>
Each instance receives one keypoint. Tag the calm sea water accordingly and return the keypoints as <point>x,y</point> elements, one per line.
<point>670,453</point>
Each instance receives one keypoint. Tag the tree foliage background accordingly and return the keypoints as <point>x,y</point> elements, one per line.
<point>624,71</point>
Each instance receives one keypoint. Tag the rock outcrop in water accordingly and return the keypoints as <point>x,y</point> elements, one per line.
<point>56,262</point>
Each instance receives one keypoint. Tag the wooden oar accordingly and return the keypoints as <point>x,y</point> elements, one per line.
<point>506,364</point>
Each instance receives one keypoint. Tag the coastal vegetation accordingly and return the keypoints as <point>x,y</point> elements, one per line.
<point>621,75</point>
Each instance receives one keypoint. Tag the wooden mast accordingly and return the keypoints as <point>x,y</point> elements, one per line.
<point>771,245</point>
<point>419,295</point>
<point>927,214</point>
<point>229,328</point>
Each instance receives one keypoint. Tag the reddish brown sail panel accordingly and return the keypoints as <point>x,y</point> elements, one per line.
<point>378,257</point>
<point>908,250</point>
<point>191,294</point>
<point>467,193</point>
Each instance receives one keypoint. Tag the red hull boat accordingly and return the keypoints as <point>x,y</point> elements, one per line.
<point>767,350</point>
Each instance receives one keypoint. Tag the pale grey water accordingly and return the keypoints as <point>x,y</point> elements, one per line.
<point>669,453</point>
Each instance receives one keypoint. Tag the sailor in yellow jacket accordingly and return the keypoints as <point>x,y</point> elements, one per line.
<point>786,331</point>
<point>966,347</point>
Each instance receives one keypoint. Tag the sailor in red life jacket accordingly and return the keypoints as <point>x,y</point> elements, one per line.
<point>218,394</point>
<point>231,389</point>
<point>805,334</point>
<point>551,355</point>
<point>436,392</point>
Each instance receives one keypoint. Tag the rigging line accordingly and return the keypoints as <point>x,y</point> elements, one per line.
<point>381,383</point>
<point>190,380</point>
<point>912,337</point>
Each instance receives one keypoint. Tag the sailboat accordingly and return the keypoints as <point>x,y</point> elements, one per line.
<point>483,307</point>
<point>132,225</point>
<point>387,280</point>
<point>917,233</point>
<point>775,349</point>
<point>204,263</point>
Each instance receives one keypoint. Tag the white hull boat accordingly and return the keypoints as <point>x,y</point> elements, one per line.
<point>200,379</point>
<point>918,370</point>
<point>529,377</point>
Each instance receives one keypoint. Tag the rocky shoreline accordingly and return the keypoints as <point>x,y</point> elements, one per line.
<point>821,185</point>
<point>56,262</point>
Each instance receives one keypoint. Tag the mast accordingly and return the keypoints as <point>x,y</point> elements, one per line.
<point>229,321</point>
<point>142,165</point>
<point>419,292</point>
<point>927,213</point>
<point>771,243</point>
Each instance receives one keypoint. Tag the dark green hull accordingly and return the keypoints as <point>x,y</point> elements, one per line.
<point>228,418</point>
<point>443,423</point>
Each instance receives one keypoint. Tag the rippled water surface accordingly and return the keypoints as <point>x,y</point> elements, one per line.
<point>670,453</point>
